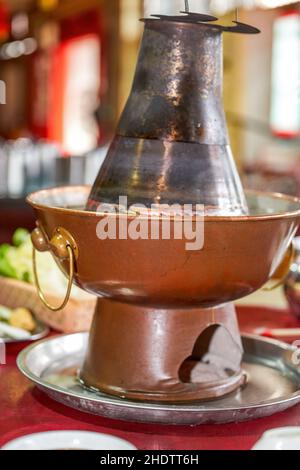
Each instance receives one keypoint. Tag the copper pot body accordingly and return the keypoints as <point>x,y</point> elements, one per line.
<point>157,298</point>
<point>239,255</point>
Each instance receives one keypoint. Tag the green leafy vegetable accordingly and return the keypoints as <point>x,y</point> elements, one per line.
<point>15,260</point>
<point>6,269</point>
<point>4,249</point>
<point>20,236</point>
<point>16,263</point>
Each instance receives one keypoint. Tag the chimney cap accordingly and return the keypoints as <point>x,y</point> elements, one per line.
<point>204,20</point>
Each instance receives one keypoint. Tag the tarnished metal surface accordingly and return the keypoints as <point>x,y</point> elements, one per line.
<point>169,173</point>
<point>186,17</point>
<point>174,111</point>
<point>274,385</point>
<point>172,145</point>
<point>176,93</point>
<point>206,20</point>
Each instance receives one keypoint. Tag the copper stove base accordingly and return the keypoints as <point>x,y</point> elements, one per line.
<point>157,355</point>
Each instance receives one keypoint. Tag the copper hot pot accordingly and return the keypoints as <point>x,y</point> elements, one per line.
<point>164,327</point>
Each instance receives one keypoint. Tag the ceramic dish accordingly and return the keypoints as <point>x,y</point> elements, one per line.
<point>280,439</point>
<point>68,440</point>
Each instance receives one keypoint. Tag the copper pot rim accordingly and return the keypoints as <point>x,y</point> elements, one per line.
<point>85,189</point>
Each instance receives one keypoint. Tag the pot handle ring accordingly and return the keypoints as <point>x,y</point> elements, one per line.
<point>62,246</point>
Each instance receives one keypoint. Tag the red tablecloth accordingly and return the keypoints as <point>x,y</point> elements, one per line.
<point>24,409</point>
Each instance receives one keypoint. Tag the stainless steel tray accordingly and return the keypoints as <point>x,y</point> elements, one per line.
<point>274,384</point>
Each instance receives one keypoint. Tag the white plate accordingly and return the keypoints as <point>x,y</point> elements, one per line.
<point>68,440</point>
<point>280,439</point>
<point>40,332</point>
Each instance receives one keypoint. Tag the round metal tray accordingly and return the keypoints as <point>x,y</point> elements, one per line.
<point>273,386</point>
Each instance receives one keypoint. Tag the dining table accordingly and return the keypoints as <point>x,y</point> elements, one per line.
<point>26,410</point>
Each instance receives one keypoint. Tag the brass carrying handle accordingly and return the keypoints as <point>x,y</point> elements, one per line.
<point>63,246</point>
<point>283,270</point>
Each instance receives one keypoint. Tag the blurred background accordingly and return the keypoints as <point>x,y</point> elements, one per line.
<point>66,68</point>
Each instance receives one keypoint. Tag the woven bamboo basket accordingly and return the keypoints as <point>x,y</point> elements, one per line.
<point>75,317</point>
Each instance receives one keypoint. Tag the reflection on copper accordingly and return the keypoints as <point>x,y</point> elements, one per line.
<point>137,157</point>
<point>167,163</point>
